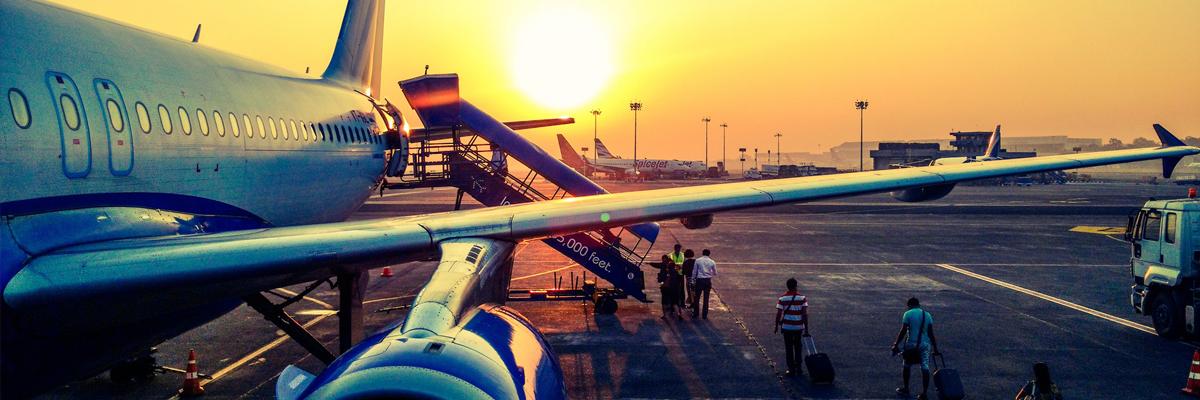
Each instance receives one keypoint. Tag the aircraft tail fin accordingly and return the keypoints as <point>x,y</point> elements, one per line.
<point>993,148</point>
<point>602,151</point>
<point>358,55</point>
<point>569,156</point>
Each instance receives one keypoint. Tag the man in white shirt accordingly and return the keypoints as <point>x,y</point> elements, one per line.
<point>705,270</point>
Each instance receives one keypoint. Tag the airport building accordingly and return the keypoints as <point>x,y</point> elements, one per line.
<point>965,144</point>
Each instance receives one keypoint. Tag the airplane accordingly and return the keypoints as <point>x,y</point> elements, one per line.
<point>606,162</point>
<point>152,185</point>
<point>992,153</point>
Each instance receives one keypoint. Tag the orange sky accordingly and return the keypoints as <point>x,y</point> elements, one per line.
<point>1082,68</point>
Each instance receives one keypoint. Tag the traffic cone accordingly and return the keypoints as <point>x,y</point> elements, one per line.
<point>387,272</point>
<point>191,378</point>
<point>1193,382</point>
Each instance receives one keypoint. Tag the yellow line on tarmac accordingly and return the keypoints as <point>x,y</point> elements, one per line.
<point>1099,230</point>
<point>319,302</point>
<point>1108,317</point>
<point>254,354</point>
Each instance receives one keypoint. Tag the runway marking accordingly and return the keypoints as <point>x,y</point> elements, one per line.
<point>254,354</point>
<point>319,302</point>
<point>1099,230</point>
<point>1107,317</point>
<point>409,193</point>
<point>872,264</point>
<point>543,273</point>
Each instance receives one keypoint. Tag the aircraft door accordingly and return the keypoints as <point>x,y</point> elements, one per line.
<point>76,142</point>
<point>116,117</point>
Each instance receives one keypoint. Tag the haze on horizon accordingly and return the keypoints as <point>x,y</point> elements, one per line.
<point>1078,68</point>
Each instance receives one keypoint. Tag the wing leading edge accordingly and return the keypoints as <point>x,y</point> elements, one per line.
<point>239,263</point>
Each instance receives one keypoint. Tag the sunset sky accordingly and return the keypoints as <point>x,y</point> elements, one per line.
<point>1081,68</point>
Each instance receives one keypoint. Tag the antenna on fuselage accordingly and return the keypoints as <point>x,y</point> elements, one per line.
<point>196,37</point>
<point>426,69</point>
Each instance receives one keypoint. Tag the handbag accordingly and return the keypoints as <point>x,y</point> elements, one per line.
<point>913,355</point>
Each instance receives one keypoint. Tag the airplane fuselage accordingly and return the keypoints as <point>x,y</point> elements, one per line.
<point>112,132</point>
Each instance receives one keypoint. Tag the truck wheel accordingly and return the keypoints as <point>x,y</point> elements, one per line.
<point>1168,316</point>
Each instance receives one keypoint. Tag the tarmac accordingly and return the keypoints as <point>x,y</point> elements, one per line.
<point>1012,276</point>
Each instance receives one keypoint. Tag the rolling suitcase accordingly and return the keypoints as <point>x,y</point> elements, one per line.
<point>946,381</point>
<point>820,368</point>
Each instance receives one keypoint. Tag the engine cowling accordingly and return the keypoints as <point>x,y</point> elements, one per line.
<point>923,193</point>
<point>697,221</point>
<point>495,353</point>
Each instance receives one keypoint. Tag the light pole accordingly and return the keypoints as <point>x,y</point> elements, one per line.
<point>861,105</point>
<point>706,121</point>
<point>595,135</point>
<point>778,155</point>
<point>635,106</point>
<point>743,159</point>
<point>724,159</point>
<point>756,158</point>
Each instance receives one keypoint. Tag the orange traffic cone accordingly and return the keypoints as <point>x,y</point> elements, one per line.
<point>191,378</point>
<point>387,272</point>
<point>1193,382</point>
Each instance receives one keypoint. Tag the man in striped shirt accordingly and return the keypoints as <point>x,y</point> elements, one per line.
<point>791,317</point>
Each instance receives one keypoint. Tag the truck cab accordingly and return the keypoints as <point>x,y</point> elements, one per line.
<point>1164,236</point>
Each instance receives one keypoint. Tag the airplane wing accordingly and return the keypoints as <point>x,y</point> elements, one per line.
<point>235,264</point>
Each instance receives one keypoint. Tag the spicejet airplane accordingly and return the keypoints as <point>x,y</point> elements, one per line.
<point>151,185</point>
<point>608,163</point>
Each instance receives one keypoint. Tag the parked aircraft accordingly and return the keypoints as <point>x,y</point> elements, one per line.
<point>608,163</point>
<point>152,185</point>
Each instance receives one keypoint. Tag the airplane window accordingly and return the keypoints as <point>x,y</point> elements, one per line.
<point>321,127</point>
<point>304,130</point>
<point>262,132</point>
<point>292,128</point>
<point>114,116</point>
<point>202,120</point>
<point>249,127</point>
<point>185,121</point>
<point>233,125</point>
<point>219,123</point>
<point>283,129</point>
<point>274,131</point>
<point>19,107</point>
<point>70,111</point>
<point>164,117</point>
<point>341,133</point>
<point>143,117</point>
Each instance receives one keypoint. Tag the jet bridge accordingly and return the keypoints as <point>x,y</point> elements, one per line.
<point>455,149</point>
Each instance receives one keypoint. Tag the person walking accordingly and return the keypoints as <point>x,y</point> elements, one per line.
<point>689,277</point>
<point>916,330</point>
<point>704,272</point>
<point>670,280</point>
<point>791,318</point>
<point>1041,387</point>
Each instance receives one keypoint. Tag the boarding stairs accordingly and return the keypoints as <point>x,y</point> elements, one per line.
<point>464,160</point>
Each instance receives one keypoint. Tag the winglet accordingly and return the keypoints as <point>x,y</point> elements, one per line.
<point>1167,139</point>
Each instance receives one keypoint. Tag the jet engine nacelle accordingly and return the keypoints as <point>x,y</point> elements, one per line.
<point>697,221</point>
<point>495,354</point>
<point>923,193</point>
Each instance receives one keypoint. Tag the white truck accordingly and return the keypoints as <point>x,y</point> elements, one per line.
<point>1165,238</point>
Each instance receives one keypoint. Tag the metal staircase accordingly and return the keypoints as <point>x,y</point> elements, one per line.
<point>449,151</point>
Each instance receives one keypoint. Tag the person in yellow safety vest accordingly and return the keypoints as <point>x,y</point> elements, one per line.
<point>677,255</point>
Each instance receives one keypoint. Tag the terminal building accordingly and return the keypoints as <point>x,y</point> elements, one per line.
<point>965,144</point>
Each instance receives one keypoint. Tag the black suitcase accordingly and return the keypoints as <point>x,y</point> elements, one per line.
<point>820,368</point>
<point>946,380</point>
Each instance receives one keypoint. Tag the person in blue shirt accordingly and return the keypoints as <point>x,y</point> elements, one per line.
<point>916,330</point>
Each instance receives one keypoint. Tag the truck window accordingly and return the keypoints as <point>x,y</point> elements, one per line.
<point>1152,227</point>
<point>1169,234</point>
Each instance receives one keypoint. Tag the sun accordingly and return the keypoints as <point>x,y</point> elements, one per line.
<point>561,58</point>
